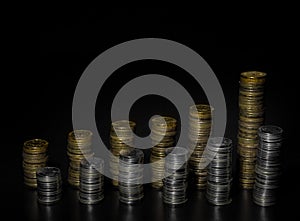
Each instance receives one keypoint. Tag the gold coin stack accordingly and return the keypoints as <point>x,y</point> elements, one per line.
<point>200,123</point>
<point>161,127</point>
<point>79,147</point>
<point>251,117</point>
<point>120,139</point>
<point>34,157</point>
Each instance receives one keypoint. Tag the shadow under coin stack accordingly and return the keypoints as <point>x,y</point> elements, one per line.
<point>200,123</point>
<point>79,147</point>
<point>268,165</point>
<point>49,185</point>
<point>251,117</point>
<point>163,132</point>
<point>91,180</point>
<point>131,176</point>
<point>34,157</point>
<point>119,134</point>
<point>176,173</point>
<point>219,178</point>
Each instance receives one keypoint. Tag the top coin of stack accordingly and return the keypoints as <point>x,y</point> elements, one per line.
<point>79,147</point>
<point>251,105</point>
<point>163,132</point>
<point>121,138</point>
<point>199,130</point>
<point>34,157</point>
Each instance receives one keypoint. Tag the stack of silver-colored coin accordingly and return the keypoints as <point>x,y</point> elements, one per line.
<point>91,180</point>
<point>119,134</point>
<point>48,185</point>
<point>219,179</point>
<point>131,176</point>
<point>163,132</point>
<point>176,172</point>
<point>268,166</point>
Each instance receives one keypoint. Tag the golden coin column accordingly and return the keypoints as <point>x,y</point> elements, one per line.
<point>251,106</point>
<point>117,144</point>
<point>34,157</point>
<point>200,123</point>
<point>79,147</point>
<point>158,127</point>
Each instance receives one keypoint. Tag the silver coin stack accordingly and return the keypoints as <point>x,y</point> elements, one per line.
<point>91,180</point>
<point>268,166</point>
<point>48,185</point>
<point>219,179</point>
<point>131,176</point>
<point>176,173</point>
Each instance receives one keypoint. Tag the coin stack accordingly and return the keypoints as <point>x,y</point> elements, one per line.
<point>219,178</point>
<point>121,138</point>
<point>163,132</point>
<point>91,180</point>
<point>268,168</point>
<point>251,117</point>
<point>48,185</point>
<point>34,157</point>
<point>131,176</point>
<point>79,147</point>
<point>200,123</point>
<point>176,172</point>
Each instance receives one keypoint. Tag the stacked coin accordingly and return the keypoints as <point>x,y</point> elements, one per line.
<point>34,157</point>
<point>91,180</point>
<point>251,114</point>
<point>79,147</point>
<point>131,176</point>
<point>176,172</point>
<point>121,138</point>
<point>200,123</point>
<point>163,132</point>
<point>267,168</point>
<point>219,170</point>
<point>48,185</point>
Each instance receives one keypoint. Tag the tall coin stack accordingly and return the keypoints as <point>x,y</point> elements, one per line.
<point>131,176</point>
<point>268,165</point>
<point>91,180</point>
<point>163,132</point>
<point>251,117</point>
<point>219,178</point>
<point>119,134</point>
<point>48,185</point>
<point>200,123</point>
<point>176,173</point>
<point>79,147</point>
<point>34,157</point>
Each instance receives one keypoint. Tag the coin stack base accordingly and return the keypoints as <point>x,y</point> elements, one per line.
<point>34,157</point>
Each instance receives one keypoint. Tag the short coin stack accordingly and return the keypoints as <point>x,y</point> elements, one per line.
<point>79,147</point>
<point>219,179</point>
<point>199,130</point>
<point>34,157</point>
<point>48,185</point>
<point>268,168</point>
<point>251,105</point>
<point>163,132</point>
<point>131,176</point>
<point>176,172</point>
<point>119,134</point>
<point>91,180</point>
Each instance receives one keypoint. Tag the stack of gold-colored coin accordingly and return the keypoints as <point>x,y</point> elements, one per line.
<point>34,157</point>
<point>121,138</point>
<point>251,105</point>
<point>79,146</point>
<point>165,128</point>
<point>199,130</point>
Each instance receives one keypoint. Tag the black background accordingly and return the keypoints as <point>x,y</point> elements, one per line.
<point>41,105</point>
